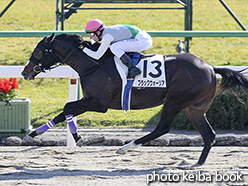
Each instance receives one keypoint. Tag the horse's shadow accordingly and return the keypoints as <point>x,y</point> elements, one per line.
<point>27,174</point>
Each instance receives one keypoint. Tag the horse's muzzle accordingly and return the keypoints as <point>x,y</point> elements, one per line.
<point>28,76</point>
<point>29,72</point>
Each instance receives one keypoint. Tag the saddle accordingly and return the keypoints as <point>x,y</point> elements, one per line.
<point>136,57</point>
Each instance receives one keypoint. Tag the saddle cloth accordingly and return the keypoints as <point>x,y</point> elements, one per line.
<point>153,75</point>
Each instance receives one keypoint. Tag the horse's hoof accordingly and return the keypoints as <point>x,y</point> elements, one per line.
<point>196,165</point>
<point>80,142</point>
<point>27,139</point>
<point>121,151</point>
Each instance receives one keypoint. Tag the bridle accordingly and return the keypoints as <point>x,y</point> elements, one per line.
<point>49,54</point>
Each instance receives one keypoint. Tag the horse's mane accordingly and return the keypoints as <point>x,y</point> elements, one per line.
<point>73,38</point>
<point>76,40</point>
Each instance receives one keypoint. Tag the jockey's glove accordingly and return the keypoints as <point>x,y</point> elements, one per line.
<point>81,47</point>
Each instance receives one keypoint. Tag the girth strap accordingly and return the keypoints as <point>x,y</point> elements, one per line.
<point>128,87</point>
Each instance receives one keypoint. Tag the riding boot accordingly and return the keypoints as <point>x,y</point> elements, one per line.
<point>133,70</point>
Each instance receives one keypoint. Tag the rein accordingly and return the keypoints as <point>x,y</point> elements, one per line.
<point>63,62</point>
<point>92,60</point>
<point>98,64</point>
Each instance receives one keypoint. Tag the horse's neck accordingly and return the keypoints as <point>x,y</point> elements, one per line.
<point>74,58</point>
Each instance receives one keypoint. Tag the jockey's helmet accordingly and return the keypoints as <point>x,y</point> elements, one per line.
<point>94,25</point>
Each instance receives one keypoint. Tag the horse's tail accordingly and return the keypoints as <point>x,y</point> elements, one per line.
<point>231,79</point>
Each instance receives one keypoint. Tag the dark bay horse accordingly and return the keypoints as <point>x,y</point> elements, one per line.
<point>191,85</point>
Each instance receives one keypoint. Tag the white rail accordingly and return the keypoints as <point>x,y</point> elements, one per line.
<point>236,68</point>
<point>60,72</point>
<point>67,72</point>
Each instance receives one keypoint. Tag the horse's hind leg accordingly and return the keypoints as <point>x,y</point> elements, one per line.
<point>197,116</point>
<point>169,112</point>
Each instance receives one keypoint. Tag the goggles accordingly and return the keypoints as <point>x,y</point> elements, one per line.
<point>92,34</point>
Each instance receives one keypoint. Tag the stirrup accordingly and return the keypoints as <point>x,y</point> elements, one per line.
<point>134,72</point>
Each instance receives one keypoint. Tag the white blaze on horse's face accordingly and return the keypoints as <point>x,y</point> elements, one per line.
<point>28,72</point>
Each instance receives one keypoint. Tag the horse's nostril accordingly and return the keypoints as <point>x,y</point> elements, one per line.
<point>24,73</point>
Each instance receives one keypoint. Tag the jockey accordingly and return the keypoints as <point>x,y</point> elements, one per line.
<point>121,38</point>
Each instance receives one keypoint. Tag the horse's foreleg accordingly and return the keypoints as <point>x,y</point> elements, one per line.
<point>72,127</point>
<point>45,127</point>
<point>79,107</point>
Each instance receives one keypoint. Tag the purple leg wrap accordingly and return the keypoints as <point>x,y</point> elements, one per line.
<point>45,127</point>
<point>71,124</point>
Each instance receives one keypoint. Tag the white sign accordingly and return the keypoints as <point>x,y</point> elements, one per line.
<point>153,73</point>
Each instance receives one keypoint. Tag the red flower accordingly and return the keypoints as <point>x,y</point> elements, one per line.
<point>8,89</point>
<point>5,86</point>
<point>14,84</point>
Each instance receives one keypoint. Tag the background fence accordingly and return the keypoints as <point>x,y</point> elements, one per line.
<point>152,33</point>
<point>186,34</point>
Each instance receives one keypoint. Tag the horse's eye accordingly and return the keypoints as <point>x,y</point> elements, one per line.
<point>37,54</point>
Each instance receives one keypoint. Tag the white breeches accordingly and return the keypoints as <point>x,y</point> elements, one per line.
<point>141,42</point>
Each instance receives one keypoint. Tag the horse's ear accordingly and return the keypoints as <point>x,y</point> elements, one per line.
<point>50,38</point>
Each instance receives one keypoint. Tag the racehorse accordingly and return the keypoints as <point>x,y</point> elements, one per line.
<point>191,85</point>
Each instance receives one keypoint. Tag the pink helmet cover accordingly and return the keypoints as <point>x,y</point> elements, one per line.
<point>94,25</point>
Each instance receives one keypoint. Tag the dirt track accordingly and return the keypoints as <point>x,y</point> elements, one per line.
<point>99,165</point>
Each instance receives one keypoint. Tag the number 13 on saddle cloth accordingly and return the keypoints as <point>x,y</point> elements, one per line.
<point>153,75</point>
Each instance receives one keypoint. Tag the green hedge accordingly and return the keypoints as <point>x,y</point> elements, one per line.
<point>228,111</point>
